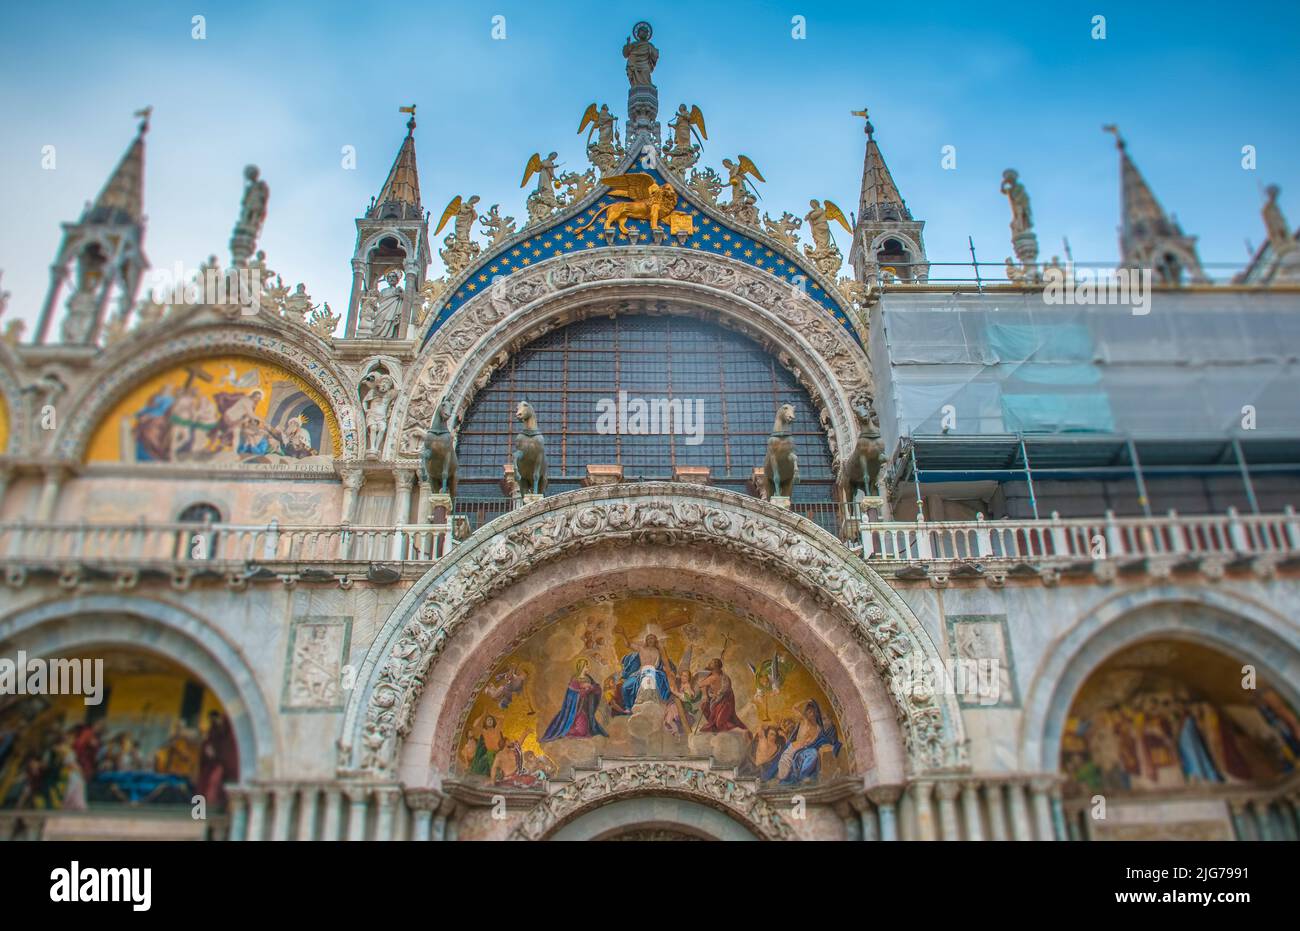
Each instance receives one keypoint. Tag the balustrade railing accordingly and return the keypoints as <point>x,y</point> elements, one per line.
<point>1170,537</point>
<point>220,542</point>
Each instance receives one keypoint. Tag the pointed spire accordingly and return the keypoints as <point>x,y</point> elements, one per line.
<point>1149,236</point>
<point>886,238</point>
<point>880,199</point>
<point>122,199</point>
<point>403,185</point>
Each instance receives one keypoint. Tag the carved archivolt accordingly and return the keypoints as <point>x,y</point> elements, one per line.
<point>118,373</point>
<point>654,778</point>
<point>381,712</point>
<point>507,315</point>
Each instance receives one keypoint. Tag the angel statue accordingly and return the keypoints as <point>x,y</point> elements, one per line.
<point>683,153</point>
<point>744,198</point>
<point>461,249</point>
<point>823,252</point>
<point>543,200</point>
<point>605,151</point>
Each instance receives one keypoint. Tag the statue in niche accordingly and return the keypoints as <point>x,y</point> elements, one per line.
<point>378,390</point>
<point>387,312</point>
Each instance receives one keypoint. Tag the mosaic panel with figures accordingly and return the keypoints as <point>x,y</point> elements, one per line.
<point>646,676</point>
<point>1166,715</point>
<point>226,411</point>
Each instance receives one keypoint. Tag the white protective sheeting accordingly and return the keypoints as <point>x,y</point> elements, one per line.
<point>1193,367</point>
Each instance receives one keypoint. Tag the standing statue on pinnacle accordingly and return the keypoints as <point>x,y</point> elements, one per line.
<point>1023,239</point>
<point>641,56</point>
<point>252,213</point>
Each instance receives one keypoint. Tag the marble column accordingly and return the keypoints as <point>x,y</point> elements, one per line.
<point>6,476</point>
<point>1021,827</point>
<point>282,799</point>
<point>358,798</point>
<point>439,832</point>
<point>921,795</point>
<point>353,478</point>
<point>403,479</point>
<point>1238,810</point>
<point>994,794</point>
<point>1293,804</point>
<point>947,792</point>
<point>1040,790</point>
<point>237,808</point>
<point>354,300</point>
<point>870,827</point>
<point>388,799</point>
<point>885,798</point>
<point>333,826</point>
<point>1058,811</point>
<point>308,796</point>
<point>422,802</point>
<point>49,501</point>
<point>257,800</point>
<point>1263,826</point>
<point>970,807</point>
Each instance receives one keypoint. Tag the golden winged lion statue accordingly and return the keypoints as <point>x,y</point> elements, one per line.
<point>647,200</point>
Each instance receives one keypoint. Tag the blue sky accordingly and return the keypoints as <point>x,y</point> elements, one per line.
<point>286,86</point>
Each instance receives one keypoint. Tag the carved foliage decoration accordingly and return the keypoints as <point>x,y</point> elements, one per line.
<point>654,778</point>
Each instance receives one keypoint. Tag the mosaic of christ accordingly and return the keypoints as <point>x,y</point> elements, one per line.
<point>650,677</point>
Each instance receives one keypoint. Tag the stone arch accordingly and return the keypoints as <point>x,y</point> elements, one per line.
<point>846,610</point>
<point>379,235</point>
<point>1230,624</point>
<point>684,796</point>
<point>681,815</point>
<point>908,242</point>
<point>295,348</point>
<point>170,631</point>
<point>503,317</point>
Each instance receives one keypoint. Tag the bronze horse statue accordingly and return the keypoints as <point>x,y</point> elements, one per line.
<point>530,452</point>
<point>438,454</point>
<point>862,467</point>
<point>781,467</point>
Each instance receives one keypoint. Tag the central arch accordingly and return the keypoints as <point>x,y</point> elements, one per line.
<point>505,315</point>
<point>821,599</point>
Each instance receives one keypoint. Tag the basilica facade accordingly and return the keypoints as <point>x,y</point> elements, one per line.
<point>651,516</point>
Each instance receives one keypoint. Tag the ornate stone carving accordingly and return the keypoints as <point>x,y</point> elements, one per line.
<point>665,514</point>
<point>783,230</point>
<point>656,777</point>
<point>706,185</point>
<point>497,227</point>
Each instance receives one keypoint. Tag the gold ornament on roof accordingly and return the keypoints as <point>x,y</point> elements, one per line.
<point>646,200</point>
